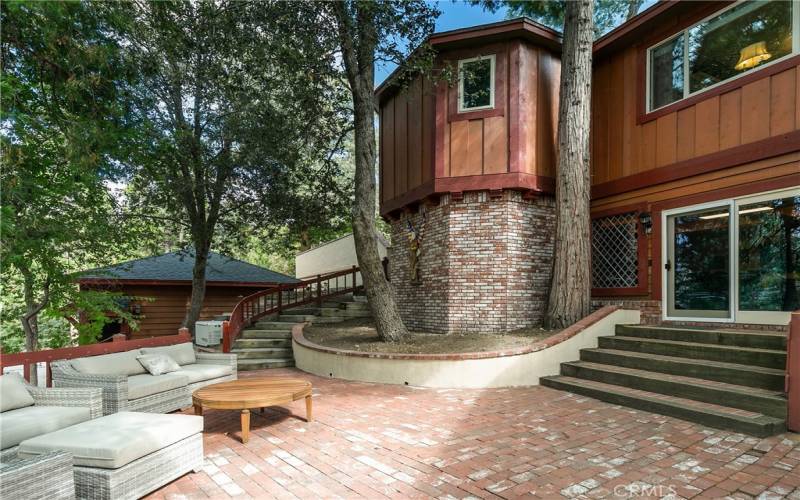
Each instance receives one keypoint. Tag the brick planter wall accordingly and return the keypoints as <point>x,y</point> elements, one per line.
<point>485,265</point>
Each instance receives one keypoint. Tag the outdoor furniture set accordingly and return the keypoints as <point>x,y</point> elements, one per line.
<point>98,433</point>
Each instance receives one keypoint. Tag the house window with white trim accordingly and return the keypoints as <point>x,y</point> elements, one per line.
<point>744,37</point>
<point>476,83</point>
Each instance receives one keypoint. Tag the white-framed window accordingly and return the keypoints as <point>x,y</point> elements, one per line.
<point>741,38</point>
<point>476,83</point>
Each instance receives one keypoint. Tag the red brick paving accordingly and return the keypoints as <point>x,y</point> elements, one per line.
<point>384,441</point>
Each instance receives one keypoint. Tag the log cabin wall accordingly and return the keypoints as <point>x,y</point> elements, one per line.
<point>164,314</point>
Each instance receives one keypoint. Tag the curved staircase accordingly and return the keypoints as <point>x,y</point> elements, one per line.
<point>268,342</point>
<point>721,378</point>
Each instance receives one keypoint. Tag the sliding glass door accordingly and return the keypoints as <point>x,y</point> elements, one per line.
<point>735,260</point>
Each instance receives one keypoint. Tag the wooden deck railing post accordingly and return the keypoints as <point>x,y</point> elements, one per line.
<point>793,373</point>
<point>280,297</point>
<point>226,336</point>
<point>354,277</point>
<point>319,290</point>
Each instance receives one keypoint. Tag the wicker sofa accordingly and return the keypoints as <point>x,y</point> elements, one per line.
<point>29,411</point>
<point>127,386</point>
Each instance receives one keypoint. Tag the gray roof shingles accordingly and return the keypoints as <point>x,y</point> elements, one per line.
<point>177,266</point>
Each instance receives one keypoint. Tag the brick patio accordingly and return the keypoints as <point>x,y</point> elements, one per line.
<point>376,441</point>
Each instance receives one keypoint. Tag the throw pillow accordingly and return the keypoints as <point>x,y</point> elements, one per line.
<point>158,364</point>
<point>13,393</point>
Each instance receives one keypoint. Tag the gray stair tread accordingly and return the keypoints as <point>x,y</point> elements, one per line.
<point>703,362</point>
<point>710,384</point>
<point>671,405</point>
<point>679,343</point>
<point>260,349</point>
<point>258,361</point>
<point>706,330</point>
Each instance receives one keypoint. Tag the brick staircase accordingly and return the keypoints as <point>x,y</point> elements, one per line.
<point>268,343</point>
<point>721,378</point>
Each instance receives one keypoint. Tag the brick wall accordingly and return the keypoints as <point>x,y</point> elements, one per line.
<point>485,264</point>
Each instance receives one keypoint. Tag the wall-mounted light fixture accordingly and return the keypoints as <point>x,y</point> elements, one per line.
<point>646,221</point>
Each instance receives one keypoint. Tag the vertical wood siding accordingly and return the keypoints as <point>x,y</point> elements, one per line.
<point>757,110</point>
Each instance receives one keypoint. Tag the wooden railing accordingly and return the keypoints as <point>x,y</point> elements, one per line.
<point>118,344</point>
<point>279,298</point>
<point>793,373</point>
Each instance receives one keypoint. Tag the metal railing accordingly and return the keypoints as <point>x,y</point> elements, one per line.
<point>279,298</point>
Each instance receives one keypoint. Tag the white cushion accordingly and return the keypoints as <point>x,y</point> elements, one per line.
<point>199,373</point>
<point>118,363</point>
<point>24,423</point>
<point>115,440</point>
<point>183,354</point>
<point>13,393</point>
<point>140,386</point>
<point>158,364</point>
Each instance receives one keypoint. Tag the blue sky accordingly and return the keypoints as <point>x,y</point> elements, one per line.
<point>455,14</point>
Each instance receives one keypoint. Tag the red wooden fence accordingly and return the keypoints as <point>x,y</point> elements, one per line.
<point>117,345</point>
<point>277,299</point>
<point>793,373</point>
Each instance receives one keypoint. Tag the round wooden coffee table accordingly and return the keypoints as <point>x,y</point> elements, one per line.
<point>248,393</point>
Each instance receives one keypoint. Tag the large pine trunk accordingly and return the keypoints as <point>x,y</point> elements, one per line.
<point>570,292</point>
<point>358,43</point>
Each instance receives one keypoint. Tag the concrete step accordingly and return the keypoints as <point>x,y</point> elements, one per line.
<point>264,353</point>
<point>257,333</point>
<point>242,343</point>
<point>293,318</point>
<point>313,311</point>
<point>753,423</point>
<point>275,325</point>
<point>759,340</point>
<point>324,320</point>
<point>263,364</point>
<point>347,312</point>
<point>771,403</point>
<point>751,376</point>
<point>768,358</point>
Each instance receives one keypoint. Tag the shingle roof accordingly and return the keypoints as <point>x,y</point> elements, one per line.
<point>177,266</point>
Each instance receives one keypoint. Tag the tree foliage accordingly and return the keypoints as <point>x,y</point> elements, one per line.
<point>608,14</point>
<point>239,122</point>
<point>63,122</point>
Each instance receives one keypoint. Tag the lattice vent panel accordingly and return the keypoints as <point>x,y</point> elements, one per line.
<point>615,256</point>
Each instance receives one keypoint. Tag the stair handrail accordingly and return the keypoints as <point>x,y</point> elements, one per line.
<point>284,296</point>
<point>792,386</point>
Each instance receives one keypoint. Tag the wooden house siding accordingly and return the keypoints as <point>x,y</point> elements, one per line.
<point>757,110</point>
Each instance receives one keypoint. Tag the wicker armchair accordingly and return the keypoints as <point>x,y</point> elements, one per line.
<point>79,397</point>
<point>44,477</point>
<point>115,387</point>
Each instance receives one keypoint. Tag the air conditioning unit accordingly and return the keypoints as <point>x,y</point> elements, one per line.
<point>208,333</point>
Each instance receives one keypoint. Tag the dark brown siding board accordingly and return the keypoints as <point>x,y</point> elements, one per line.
<point>401,143</point>
<point>547,113</point>
<point>600,123</point>
<point>686,134</point>
<point>730,119</point>
<point>649,135</point>
<point>706,130</point>
<point>782,102</point>
<point>616,117</point>
<point>415,106</point>
<point>388,157</point>
<point>428,128</point>
<point>755,111</point>
<point>629,133</point>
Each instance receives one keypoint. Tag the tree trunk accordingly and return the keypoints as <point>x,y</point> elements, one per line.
<point>201,250</point>
<point>30,320</point>
<point>359,63</point>
<point>570,292</point>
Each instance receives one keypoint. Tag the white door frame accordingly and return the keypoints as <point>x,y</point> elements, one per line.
<point>735,315</point>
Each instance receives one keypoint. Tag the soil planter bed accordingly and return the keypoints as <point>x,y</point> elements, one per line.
<point>519,366</point>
